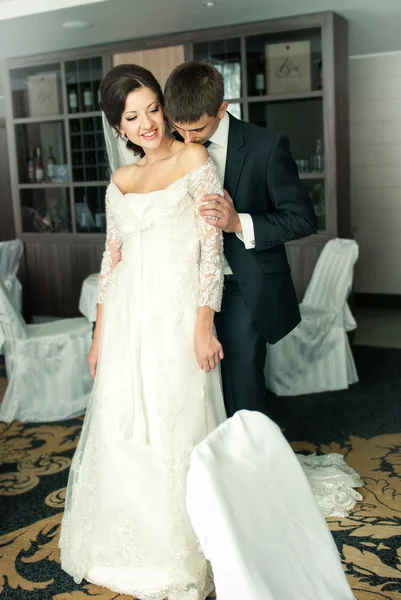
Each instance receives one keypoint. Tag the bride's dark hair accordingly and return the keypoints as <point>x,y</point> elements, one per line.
<point>114,89</point>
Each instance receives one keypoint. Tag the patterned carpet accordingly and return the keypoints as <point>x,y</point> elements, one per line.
<point>363,423</point>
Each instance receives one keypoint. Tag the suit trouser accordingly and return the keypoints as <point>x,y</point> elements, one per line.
<point>244,347</point>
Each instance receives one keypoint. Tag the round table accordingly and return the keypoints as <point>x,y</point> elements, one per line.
<point>87,299</point>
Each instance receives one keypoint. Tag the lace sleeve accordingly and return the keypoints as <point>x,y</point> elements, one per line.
<point>111,254</point>
<point>204,180</point>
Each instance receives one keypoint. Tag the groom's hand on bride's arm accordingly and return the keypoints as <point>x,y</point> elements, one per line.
<point>219,211</point>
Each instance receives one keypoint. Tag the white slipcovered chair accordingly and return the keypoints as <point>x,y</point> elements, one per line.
<point>10,255</point>
<point>316,355</point>
<point>46,365</point>
<point>256,517</point>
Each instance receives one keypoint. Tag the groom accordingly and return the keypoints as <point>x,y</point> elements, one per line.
<point>264,206</point>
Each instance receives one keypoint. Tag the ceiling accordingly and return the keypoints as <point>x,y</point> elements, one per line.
<point>374,26</point>
<point>10,9</point>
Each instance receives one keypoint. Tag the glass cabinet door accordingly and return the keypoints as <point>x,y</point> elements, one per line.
<point>285,94</point>
<point>88,151</point>
<point>302,122</point>
<point>45,210</point>
<point>41,153</point>
<point>284,63</point>
<point>89,160</point>
<point>36,92</point>
<point>83,79</point>
<point>225,55</point>
<point>90,211</point>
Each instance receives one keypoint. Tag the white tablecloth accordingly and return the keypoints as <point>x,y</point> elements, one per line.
<point>87,300</point>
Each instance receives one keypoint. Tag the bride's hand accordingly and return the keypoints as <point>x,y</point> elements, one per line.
<point>93,357</point>
<point>208,350</point>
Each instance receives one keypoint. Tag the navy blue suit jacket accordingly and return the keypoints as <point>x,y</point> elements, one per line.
<point>262,179</point>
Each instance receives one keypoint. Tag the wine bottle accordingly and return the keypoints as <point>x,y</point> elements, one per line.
<point>31,167</point>
<point>73,100</point>
<point>88,99</point>
<point>51,165</point>
<point>260,78</point>
<point>39,170</point>
<point>318,158</point>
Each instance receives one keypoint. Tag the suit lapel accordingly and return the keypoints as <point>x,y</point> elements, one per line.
<point>236,153</point>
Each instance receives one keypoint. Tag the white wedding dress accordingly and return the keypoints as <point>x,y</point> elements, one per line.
<point>126,525</point>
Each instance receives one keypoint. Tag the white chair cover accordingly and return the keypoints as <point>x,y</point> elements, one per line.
<point>316,355</point>
<point>88,297</point>
<point>47,371</point>
<point>257,519</point>
<point>10,255</point>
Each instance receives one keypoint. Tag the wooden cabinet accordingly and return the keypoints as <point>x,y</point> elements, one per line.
<point>290,75</point>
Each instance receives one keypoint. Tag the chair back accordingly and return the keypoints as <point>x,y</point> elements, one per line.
<point>332,277</point>
<point>256,518</point>
<point>10,254</point>
<point>11,321</point>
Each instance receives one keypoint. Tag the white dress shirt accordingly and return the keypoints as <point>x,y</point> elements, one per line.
<point>218,152</point>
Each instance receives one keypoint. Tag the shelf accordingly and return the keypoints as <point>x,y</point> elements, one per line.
<point>38,186</point>
<point>28,120</point>
<point>78,184</point>
<point>78,133</point>
<point>98,148</point>
<point>82,115</point>
<point>286,97</point>
<point>62,237</point>
<point>315,175</point>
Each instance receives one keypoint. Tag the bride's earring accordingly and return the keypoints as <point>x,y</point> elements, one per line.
<point>124,137</point>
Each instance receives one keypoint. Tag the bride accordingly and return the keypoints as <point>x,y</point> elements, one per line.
<point>157,391</point>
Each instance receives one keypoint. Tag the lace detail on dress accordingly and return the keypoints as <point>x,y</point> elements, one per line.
<point>112,252</point>
<point>332,482</point>
<point>201,181</point>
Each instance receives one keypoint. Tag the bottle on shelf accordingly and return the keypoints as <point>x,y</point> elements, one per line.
<point>318,157</point>
<point>260,85</point>
<point>88,99</point>
<point>73,100</point>
<point>100,219</point>
<point>31,167</point>
<point>84,221</point>
<point>51,165</point>
<point>39,170</point>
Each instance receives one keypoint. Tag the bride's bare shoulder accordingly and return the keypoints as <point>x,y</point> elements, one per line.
<point>192,156</point>
<point>123,176</point>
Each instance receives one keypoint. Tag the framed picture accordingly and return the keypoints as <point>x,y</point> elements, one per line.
<point>43,95</point>
<point>288,67</point>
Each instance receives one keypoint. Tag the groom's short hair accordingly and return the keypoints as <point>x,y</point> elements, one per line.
<point>192,90</point>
